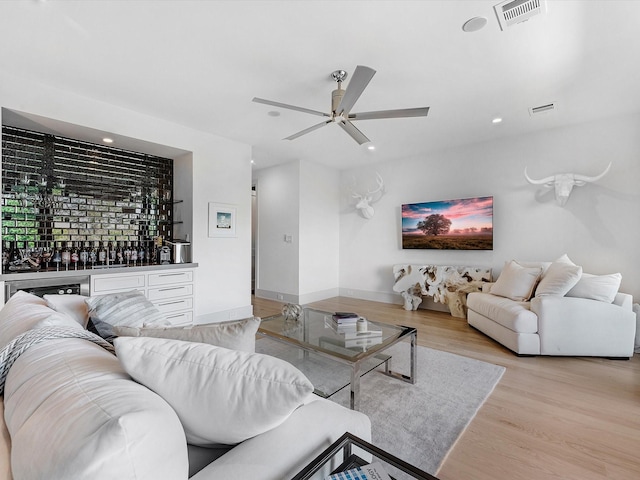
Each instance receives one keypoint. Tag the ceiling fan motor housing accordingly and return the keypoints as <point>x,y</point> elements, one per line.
<point>336,98</point>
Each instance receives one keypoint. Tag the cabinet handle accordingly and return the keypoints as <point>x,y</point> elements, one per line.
<point>170,288</point>
<point>171,303</point>
<point>170,274</point>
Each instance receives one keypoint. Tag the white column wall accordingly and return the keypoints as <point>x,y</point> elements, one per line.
<point>319,232</point>
<point>278,203</point>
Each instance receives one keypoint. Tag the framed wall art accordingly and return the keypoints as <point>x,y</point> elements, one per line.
<point>461,224</point>
<point>222,220</point>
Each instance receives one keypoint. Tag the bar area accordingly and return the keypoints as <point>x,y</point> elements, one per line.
<point>69,205</point>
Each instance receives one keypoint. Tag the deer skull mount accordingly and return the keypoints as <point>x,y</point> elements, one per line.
<point>564,183</point>
<point>364,202</point>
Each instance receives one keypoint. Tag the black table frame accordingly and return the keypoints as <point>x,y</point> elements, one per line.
<point>351,460</point>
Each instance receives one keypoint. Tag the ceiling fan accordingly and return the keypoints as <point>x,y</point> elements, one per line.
<point>341,103</point>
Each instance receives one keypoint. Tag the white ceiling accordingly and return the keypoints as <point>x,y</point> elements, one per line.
<point>199,63</point>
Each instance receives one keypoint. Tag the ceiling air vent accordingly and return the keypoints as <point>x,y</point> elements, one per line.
<point>515,11</point>
<point>535,111</point>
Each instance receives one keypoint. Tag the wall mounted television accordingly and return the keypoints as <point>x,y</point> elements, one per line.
<point>462,224</point>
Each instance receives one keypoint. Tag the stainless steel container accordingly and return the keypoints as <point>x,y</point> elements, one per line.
<point>180,251</point>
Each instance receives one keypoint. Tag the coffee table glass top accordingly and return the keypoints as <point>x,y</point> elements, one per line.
<point>315,330</point>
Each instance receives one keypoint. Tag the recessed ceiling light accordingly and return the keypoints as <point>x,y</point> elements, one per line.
<point>371,147</point>
<point>107,140</point>
<point>474,24</point>
<point>496,120</point>
<point>273,113</point>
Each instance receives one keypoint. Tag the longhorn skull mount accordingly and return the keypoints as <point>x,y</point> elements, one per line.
<point>364,202</point>
<point>564,182</point>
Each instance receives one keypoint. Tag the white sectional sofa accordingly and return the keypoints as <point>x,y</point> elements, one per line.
<point>553,308</point>
<point>71,409</point>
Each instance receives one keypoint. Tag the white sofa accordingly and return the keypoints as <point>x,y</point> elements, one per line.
<point>552,308</point>
<point>72,411</point>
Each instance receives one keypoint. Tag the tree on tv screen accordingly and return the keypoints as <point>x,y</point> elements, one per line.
<point>435,224</point>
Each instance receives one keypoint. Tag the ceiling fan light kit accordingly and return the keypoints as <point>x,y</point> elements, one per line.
<point>342,101</point>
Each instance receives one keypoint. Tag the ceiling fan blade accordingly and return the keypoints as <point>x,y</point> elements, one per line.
<point>290,107</point>
<point>356,134</point>
<point>308,130</point>
<point>359,81</point>
<point>403,113</point>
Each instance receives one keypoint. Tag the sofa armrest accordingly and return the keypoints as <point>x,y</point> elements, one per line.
<point>486,287</point>
<point>579,326</point>
<point>284,451</point>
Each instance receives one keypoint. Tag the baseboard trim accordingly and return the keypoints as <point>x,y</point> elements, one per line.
<point>225,315</point>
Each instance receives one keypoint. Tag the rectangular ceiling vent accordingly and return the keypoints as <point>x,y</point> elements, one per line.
<point>512,12</point>
<point>535,111</point>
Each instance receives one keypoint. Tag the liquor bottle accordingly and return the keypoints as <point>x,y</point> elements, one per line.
<point>127,253</point>
<point>6,254</point>
<point>141,256</point>
<point>75,256</point>
<point>111,252</point>
<point>102,255</point>
<point>56,258</point>
<point>84,255</point>
<point>119,253</point>
<point>134,254</point>
<point>15,257</point>
<point>65,255</point>
<point>46,254</point>
<point>93,254</point>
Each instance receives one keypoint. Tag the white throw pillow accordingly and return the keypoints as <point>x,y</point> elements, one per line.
<point>74,413</point>
<point>125,308</point>
<point>235,335</point>
<point>221,396</point>
<point>72,305</point>
<point>559,278</point>
<point>516,282</point>
<point>22,312</point>
<point>597,287</point>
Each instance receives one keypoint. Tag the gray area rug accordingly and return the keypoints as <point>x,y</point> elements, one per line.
<point>418,423</point>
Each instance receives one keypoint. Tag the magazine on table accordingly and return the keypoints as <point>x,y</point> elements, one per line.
<point>373,471</point>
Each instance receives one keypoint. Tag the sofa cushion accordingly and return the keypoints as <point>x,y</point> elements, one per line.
<point>515,316</point>
<point>516,282</point>
<point>235,335</point>
<point>222,396</point>
<point>597,287</point>
<point>5,446</point>
<point>73,412</point>
<point>558,279</point>
<point>22,312</point>
<point>125,308</point>
<point>73,305</point>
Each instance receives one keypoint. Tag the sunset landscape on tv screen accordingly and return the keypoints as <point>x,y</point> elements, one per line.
<point>463,224</point>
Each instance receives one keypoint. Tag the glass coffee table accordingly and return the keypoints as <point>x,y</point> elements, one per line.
<point>395,467</point>
<point>312,344</point>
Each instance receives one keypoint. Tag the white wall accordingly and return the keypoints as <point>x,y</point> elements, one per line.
<point>598,228</point>
<point>278,203</point>
<point>319,232</point>
<point>221,173</point>
<point>298,199</point>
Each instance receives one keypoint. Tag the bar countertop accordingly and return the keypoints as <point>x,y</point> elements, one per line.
<point>73,272</point>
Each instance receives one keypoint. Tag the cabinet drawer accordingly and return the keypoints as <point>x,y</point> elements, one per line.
<point>170,278</point>
<point>176,305</point>
<point>102,283</point>
<point>180,318</point>
<point>170,291</point>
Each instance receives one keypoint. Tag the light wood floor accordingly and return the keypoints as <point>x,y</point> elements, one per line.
<point>548,418</point>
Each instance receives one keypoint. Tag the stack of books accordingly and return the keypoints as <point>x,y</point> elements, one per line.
<point>346,324</point>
